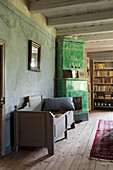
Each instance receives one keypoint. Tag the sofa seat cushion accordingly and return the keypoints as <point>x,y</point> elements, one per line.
<point>57,104</point>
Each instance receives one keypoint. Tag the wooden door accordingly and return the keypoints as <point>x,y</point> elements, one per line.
<point>2,98</point>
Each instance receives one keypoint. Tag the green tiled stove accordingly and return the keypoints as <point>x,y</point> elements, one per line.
<point>70,53</point>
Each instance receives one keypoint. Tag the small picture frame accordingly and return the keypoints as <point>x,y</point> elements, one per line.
<point>34,55</point>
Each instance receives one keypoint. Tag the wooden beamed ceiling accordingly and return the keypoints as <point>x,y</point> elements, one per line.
<point>90,20</point>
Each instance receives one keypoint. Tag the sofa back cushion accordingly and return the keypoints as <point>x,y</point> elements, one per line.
<point>35,102</point>
<point>58,104</point>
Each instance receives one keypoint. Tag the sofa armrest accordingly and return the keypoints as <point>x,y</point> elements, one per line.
<point>34,128</point>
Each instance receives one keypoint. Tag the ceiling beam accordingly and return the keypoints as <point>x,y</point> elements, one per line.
<point>99,44</point>
<point>101,49</point>
<point>93,29</point>
<point>96,37</point>
<point>78,19</point>
<point>101,54</point>
<point>40,6</point>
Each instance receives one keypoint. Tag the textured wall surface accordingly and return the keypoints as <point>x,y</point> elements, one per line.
<point>38,18</point>
<point>16,29</point>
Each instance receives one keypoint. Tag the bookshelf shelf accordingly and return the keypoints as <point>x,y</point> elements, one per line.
<point>103,69</point>
<point>89,83</point>
<point>102,99</point>
<point>102,84</point>
<point>102,91</point>
<point>103,76</point>
<point>102,61</point>
<point>104,107</point>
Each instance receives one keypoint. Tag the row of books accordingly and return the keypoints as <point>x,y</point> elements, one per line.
<point>103,80</point>
<point>103,73</point>
<point>106,96</point>
<point>99,66</point>
<point>103,88</point>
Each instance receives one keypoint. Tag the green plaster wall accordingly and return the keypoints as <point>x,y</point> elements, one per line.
<point>16,29</point>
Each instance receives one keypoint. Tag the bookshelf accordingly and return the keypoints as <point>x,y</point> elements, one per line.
<point>89,83</point>
<point>102,84</point>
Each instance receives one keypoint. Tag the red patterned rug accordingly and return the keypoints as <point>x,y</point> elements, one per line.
<point>103,143</point>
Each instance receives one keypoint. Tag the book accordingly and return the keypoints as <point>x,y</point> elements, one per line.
<point>104,73</point>
<point>110,73</point>
<point>101,97</point>
<point>107,96</point>
<point>95,73</point>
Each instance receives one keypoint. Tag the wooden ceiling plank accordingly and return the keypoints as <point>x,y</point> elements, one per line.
<point>100,54</point>
<point>98,44</point>
<point>96,37</point>
<point>76,19</point>
<point>89,50</point>
<point>94,29</point>
<point>39,6</point>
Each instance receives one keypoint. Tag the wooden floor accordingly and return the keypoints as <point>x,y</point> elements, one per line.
<point>70,154</point>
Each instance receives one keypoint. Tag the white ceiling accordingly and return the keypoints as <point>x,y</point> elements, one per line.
<point>91,20</point>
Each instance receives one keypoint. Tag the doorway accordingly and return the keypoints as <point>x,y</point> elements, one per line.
<point>2,98</point>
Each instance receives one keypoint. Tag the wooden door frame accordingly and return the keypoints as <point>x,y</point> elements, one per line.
<point>3,130</point>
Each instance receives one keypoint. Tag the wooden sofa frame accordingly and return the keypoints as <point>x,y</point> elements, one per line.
<point>40,128</point>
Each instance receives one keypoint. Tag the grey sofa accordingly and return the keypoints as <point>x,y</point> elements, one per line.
<point>37,128</point>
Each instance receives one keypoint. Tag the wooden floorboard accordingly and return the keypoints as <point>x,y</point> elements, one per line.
<point>66,151</point>
<point>70,154</point>
<point>77,150</point>
<point>64,147</point>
